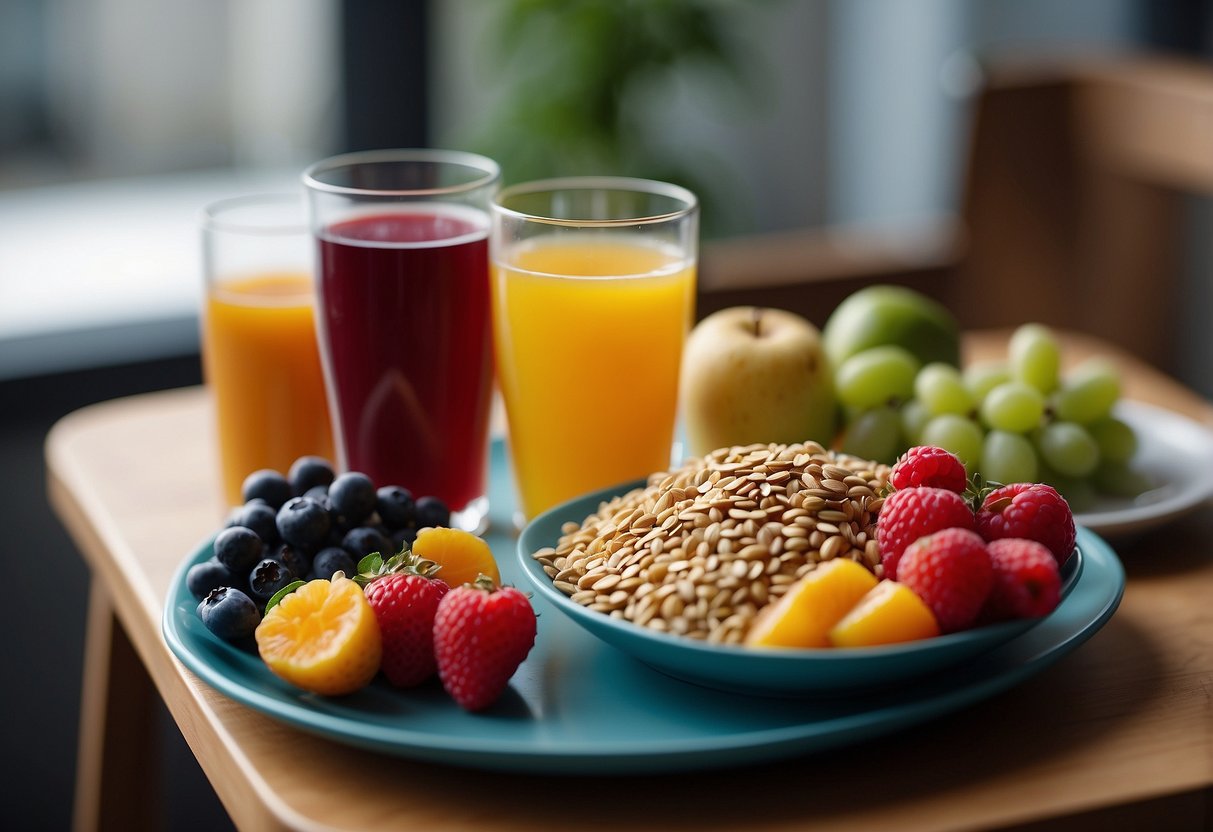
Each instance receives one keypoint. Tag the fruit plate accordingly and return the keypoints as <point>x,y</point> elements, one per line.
<point>1176,454</point>
<point>761,671</point>
<point>577,705</point>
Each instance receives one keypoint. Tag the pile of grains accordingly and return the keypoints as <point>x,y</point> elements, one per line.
<point>701,549</point>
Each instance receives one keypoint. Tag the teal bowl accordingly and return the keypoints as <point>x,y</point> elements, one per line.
<point>765,671</point>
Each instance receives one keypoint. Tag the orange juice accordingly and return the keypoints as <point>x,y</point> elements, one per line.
<point>263,368</point>
<point>589,339</point>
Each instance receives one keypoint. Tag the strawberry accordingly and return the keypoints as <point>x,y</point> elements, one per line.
<point>1027,581</point>
<point>1031,511</point>
<point>913,513</point>
<point>404,596</point>
<point>481,634</point>
<point>951,571</point>
<point>927,465</point>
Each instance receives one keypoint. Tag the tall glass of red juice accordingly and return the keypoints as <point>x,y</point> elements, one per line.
<point>404,317</point>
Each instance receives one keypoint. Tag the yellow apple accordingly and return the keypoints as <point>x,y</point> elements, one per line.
<point>751,374</point>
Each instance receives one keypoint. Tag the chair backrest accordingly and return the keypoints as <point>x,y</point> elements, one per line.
<point>1073,210</point>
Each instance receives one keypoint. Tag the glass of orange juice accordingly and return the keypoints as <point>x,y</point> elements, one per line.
<point>259,352</point>
<point>593,296</point>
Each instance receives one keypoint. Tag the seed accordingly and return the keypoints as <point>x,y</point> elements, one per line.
<point>833,547</point>
<point>605,583</point>
<point>702,549</point>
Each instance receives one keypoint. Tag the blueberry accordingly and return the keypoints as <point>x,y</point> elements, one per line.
<point>267,484</point>
<point>352,495</point>
<point>268,577</point>
<point>238,548</point>
<point>303,523</point>
<point>331,560</point>
<point>402,538</point>
<point>296,561</point>
<point>206,576</point>
<point>233,516</point>
<point>307,472</point>
<point>229,613</point>
<point>318,494</point>
<point>363,540</point>
<point>395,506</point>
<point>258,516</point>
<point>432,512</point>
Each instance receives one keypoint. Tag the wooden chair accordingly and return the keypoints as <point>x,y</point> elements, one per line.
<point>1071,212</point>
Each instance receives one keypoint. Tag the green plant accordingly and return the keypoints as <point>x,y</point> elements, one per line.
<point>575,81</point>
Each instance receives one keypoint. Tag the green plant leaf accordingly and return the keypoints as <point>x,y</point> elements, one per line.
<point>282,593</point>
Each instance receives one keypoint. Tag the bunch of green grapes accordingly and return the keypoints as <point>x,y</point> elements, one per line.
<point>1016,421</point>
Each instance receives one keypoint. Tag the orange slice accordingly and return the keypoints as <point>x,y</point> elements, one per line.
<point>323,637</point>
<point>811,606</point>
<point>462,555</point>
<point>889,614</point>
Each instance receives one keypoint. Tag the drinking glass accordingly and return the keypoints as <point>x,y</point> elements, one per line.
<point>404,318</point>
<point>593,296</point>
<point>258,337</point>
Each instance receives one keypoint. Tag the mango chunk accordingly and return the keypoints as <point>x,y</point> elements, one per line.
<point>811,606</point>
<point>888,614</point>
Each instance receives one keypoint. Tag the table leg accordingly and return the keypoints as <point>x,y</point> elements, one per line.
<point>117,781</point>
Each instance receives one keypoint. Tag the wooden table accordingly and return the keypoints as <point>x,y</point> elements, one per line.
<point>1117,735</point>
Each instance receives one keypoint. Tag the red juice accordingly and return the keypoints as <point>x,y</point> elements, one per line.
<point>405,329</point>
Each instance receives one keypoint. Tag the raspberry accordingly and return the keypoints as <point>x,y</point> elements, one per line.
<point>913,513</point>
<point>951,572</point>
<point>927,465</point>
<point>1032,511</point>
<point>1027,581</point>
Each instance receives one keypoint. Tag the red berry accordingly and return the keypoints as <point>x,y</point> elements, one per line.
<point>1032,511</point>
<point>927,465</point>
<point>405,606</point>
<point>951,572</point>
<point>481,634</point>
<point>1027,581</point>
<point>913,513</point>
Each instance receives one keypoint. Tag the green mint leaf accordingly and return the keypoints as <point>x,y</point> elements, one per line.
<point>282,593</point>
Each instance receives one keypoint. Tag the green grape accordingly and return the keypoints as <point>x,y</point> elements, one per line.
<point>942,390</point>
<point>983,377</point>
<point>1119,480</point>
<point>1013,406</point>
<point>1008,457</point>
<point>1088,393</point>
<point>914,416</point>
<point>957,434</point>
<point>1078,491</point>
<point>1068,449</point>
<point>1116,440</point>
<point>876,377</point>
<point>875,434</point>
<point>1035,357</point>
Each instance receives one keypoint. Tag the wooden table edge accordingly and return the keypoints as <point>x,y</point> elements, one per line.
<point>203,730</point>
<point>259,808</point>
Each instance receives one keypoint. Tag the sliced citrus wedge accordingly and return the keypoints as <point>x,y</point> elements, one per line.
<point>323,637</point>
<point>462,555</point>
<point>889,614</point>
<point>811,606</point>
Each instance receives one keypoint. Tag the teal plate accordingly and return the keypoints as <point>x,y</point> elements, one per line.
<point>579,706</point>
<point>766,671</point>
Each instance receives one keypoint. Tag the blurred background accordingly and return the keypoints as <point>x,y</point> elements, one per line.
<point>119,119</point>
